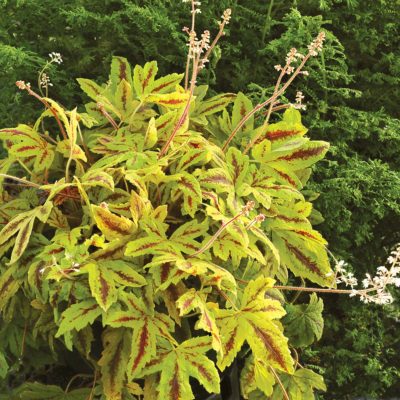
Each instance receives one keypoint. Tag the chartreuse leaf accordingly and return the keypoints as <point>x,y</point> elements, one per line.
<point>105,275</point>
<point>120,71</point>
<point>288,129</point>
<point>113,362</point>
<point>143,77</point>
<point>304,322</point>
<point>193,299</point>
<point>305,156</point>
<point>303,255</point>
<point>214,104</point>
<point>253,323</point>
<point>148,326</point>
<point>97,177</point>
<point>165,84</point>
<point>177,364</point>
<point>169,100</point>
<point>112,225</point>
<point>25,142</point>
<point>22,224</point>
<point>241,107</point>
<point>78,315</point>
<point>256,375</point>
<point>101,285</point>
<point>300,385</point>
<point>91,88</point>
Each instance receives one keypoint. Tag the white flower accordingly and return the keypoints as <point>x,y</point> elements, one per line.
<point>55,57</point>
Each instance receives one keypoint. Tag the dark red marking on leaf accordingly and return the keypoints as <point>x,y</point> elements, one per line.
<point>303,154</point>
<point>165,271</point>
<point>143,343</point>
<point>174,384</point>
<point>6,284</point>
<point>304,259</point>
<point>94,89</point>
<point>122,70</point>
<point>85,311</point>
<point>125,277</point>
<point>286,177</point>
<point>148,77</point>
<point>104,288</point>
<point>215,105</point>
<point>190,159</point>
<point>187,303</point>
<point>217,179</point>
<point>165,84</point>
<point>24,148</point>
<point>113,366</point>
<point>203,371</point>
<point>165,123</point>
<point>230,344</point>
<point>307,234</point>
<point>268,341</point>
<point>23,236</point>
<point>288,219</point>
<point>281,134</point>
<point>113,226</point>
<point>172,101</point>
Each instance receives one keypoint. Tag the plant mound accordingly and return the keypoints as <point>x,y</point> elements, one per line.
<point>156,264</point>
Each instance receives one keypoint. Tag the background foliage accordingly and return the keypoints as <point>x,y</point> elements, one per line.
<point>353,97</point>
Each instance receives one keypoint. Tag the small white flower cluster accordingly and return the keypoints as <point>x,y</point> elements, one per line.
<point>299,101</point>
<point>374,288</point>
<point>313,49</point>
<point>315,46</point>
<point>45,81</point>
<point>226,16</point>
<point>22,85</point>
<point>55,57</point>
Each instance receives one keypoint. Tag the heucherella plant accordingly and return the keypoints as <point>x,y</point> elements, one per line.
<point>152,234</point>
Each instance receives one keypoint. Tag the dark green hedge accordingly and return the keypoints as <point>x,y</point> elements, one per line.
<point>353,95</point>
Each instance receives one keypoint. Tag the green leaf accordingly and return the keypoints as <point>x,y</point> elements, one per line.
<point>38,391</point>
<point>78,315</point>
<point>300,385</point>
<point>304,322</point>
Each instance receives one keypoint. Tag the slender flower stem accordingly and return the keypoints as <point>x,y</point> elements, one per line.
<point>47,105</point>
<point>262,105</point>
<point>107,115</point>
<point>245,210</point>
<point>190,52</point>
<point>322,290</point>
